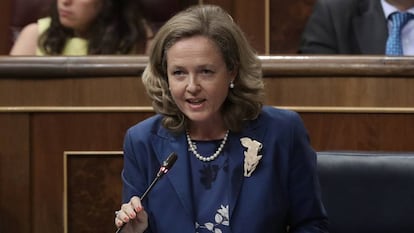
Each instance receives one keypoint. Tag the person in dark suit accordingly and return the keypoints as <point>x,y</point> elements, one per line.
<point>241,167</point>
<point>353,27</point>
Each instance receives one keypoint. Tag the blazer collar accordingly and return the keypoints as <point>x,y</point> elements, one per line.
<point>179,174</point>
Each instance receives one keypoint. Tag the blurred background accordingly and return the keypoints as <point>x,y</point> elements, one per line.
<point>272,26</point>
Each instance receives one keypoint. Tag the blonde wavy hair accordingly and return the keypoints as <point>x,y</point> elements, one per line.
<point>244,101</point>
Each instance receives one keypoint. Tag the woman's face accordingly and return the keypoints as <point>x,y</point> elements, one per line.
<point>78,14</point>
<point>198,79</point>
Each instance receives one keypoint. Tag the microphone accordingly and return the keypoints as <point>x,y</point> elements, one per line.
<point>165,167</point>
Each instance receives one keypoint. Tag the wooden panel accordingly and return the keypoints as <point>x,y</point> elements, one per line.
<point>53,134</point>
<point>360,131</point>
<point>92,191</point>
<point>72,81</point>
<point>115,91</point>
<point>250,16</point>
<point>14,173</point>
<point>287,21</point>
<point>339,81</point>
<point>340,91</point>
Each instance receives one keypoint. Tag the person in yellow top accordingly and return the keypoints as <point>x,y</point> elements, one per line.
<point>86,27</point>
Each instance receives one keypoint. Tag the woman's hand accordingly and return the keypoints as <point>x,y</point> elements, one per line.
<point>134,214</point>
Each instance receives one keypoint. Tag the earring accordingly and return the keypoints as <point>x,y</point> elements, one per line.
<point>231,84</point>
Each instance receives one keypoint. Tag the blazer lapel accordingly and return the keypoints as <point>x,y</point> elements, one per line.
<point>179,174</point>
<point>236,161</point>
<point>370,27</point>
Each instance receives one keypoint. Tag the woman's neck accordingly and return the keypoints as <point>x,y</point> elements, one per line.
<point>207,132</point>
<point>80,34</point>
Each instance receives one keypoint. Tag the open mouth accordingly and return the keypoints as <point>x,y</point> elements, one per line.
<point>196,101</point>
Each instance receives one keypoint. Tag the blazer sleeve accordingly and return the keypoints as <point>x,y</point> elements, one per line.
<point>133,175</point>
<point>306,213</point>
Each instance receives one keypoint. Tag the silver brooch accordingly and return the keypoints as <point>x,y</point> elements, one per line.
<point>251,156</point>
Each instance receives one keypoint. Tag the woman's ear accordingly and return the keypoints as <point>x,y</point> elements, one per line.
<point>233,73</point>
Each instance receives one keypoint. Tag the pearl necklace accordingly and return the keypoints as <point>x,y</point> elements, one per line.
<point>210,158</point>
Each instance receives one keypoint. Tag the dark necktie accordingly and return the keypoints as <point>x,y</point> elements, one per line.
<point>394,45</point>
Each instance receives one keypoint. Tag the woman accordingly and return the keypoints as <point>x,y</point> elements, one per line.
<point>82,27</point>
<point>241,167</point>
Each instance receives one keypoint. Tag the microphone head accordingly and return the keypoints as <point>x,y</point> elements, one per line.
<point>166,165</point>
<point>169,162</point>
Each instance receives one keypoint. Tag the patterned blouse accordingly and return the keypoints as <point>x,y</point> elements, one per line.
<point>210,182</point>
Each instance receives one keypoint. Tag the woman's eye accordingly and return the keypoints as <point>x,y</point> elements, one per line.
<point>206,71</point>
<point>177,72</point>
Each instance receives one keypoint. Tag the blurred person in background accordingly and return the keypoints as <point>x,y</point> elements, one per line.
<point>86,27</point>
<point>356,27</point>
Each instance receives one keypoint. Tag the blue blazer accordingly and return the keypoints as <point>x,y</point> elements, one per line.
<point>281,195</point>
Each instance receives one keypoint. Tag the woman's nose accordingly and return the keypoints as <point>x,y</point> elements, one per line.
<point>193,84</point>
